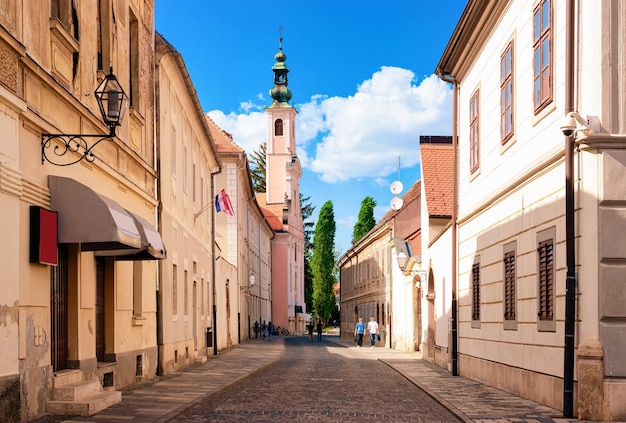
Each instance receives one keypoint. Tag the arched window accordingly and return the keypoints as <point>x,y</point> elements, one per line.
<point>278,127</point>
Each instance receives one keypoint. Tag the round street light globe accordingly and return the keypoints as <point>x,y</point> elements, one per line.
<point>396,188</point>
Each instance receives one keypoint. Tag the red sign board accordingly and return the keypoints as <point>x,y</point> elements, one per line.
<point>43,236</point>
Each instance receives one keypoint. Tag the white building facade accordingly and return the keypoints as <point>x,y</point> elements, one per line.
<point>533,225</point>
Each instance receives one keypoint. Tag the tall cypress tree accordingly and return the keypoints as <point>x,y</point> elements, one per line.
<point>258,168</point>
<point>366,221</point>
<point>323,262</point>
<point>307,211</point>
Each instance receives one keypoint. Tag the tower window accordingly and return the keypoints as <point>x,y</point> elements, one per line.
<point>278,127</point>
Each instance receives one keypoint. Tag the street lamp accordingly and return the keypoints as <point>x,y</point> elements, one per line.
<point>111,100</point>
<point>247,289</point>
<point>403,260</point>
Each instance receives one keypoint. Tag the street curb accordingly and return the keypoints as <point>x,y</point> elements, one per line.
<point>451,408</point>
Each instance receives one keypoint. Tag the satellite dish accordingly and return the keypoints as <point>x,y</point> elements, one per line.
<point>396,203</point>
<point>396,188</point>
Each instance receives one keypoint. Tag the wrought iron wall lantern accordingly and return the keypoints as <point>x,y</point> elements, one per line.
<point>112,103</point>
<point>248,288</point>
<point>403,260</point>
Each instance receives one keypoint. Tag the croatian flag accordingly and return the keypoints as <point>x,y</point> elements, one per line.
<point>222,203</point>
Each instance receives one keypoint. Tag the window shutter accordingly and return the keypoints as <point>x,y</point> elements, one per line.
<point>509,286</point>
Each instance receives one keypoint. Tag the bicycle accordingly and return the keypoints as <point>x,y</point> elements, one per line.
<point>281,331</point>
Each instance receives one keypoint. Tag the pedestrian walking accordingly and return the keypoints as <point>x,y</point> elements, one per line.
<point>270,329</point>
<point>256,329</point>
<point>310,330</point>
<point>319,330</point>
<point>263,329</point>
<point>372,328</point>
<point>359,331</point>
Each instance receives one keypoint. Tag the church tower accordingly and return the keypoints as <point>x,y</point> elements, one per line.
<point>283,169</point>
<point>282,200</point>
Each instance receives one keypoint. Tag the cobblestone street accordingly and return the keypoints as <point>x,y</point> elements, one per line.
<point>320,382</point>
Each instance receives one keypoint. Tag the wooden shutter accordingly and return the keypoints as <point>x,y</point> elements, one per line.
<point>546,280</point>
<point>509,285</point>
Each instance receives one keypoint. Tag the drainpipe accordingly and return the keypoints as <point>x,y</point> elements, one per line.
<point>570,281</point>
<point>454,324</point>
<point>214,172</point>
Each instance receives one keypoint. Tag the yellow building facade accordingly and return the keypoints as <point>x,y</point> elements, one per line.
<point>80,245</point>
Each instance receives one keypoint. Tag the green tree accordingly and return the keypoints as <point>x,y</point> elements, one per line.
<point>366,221</point>
<point>307,210</point>
<point>258,168</point>
<point>323,263</point>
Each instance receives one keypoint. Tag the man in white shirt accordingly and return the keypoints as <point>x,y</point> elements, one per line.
<point>372,328</point>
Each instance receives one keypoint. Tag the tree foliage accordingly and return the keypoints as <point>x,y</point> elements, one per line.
<point>307,210</point>
<point>365,221</point>
<point>258,168</point>
<point>323,263</point>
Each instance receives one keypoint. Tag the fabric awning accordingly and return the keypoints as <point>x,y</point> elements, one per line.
<point>100,224</point>
<point>91,219</point>
<point>151,242</point>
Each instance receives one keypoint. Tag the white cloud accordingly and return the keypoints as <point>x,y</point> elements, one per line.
<point>344,138</point>
<point>381,121</point>
<point>248,130</point>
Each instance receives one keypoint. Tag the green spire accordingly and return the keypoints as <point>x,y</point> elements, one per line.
<point>280,93</point>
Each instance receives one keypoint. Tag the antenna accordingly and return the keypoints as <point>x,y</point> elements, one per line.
<point>396,188</point>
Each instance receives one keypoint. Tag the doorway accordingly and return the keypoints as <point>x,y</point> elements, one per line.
<point>59,310</point>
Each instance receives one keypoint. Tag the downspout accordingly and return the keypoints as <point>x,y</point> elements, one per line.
<point>214,172</point>
<point>570,281</point>
<point>159,211</point>
<point>454,323</point>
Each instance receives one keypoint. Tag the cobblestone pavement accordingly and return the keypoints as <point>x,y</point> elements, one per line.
<point>165,398</point>
<point>320,382</point>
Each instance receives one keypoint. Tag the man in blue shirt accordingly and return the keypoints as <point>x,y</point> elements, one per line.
<point>359,331</point>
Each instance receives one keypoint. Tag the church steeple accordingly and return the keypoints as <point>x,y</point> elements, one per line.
<point>280,93</point>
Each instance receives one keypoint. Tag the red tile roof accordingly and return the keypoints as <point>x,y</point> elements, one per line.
<point>223,140</point>
<point>273,213</point>
<point>437,165</point>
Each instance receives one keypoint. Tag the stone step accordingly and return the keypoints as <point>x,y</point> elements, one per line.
<point>76,390</point>
<point>86,406</point>
<point>65,377</point>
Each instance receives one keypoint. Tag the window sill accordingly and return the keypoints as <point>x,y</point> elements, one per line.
<point>139,320</point>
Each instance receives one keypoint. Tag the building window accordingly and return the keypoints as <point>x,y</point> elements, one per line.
<point>510,279</point>
<point>104,37</point>
<point>542,48</point>
<point>278,127</point>
<point>193,183</point>
<point>65,12</point>
<point>137,289</point>
<point>506,94</point>
<point>186,294</point>
<point>476,294</point>
<point>474,133</point>
<point>185,169</point>
<point>545,262</point>
<point>133,56</point>
<point>174,290</point>
<point>173,151</point>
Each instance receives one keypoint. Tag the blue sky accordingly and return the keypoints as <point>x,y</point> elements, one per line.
<point>361,74</point>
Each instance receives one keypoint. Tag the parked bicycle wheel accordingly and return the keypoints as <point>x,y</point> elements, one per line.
<point>284,331</point>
